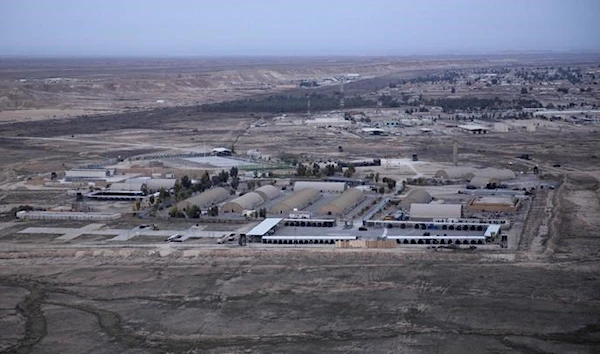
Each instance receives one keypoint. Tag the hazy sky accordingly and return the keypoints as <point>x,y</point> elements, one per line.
<point>289,27</point>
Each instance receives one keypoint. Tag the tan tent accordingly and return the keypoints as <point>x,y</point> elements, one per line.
<point>344,203</point>
<point>247,201</point>
<point>298,200</point>
<point>205,199</point>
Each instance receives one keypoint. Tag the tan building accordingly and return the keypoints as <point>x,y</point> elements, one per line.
<point>344,203</point>
<point>247,201</point>
<point>298,200</point>
<point>205,199</point>
<point>417,195</point>
<point>435,211</point>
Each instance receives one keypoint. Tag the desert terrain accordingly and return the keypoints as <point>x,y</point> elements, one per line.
<point>88,294</point>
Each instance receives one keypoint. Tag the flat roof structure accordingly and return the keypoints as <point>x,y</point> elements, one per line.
<point>66,215</point>
<point>265,226</point>
<point>492,230</point>
<point>432,211</point>
<point>474,128</point>
<point>116,195</point>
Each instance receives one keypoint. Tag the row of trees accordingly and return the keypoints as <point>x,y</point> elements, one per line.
<point>184,187</point>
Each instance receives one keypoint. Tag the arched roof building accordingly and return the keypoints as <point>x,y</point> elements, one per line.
<point>247,201</point>
<point>456,173</point>
<point>299,200</point>
<point>323,187</point>
<point>417,195</point>
<point>268,192</point>
<point>344,203</point>
<point>483,181</point>
<point>205,199</point>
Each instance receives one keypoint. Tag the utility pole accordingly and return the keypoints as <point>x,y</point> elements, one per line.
<point>455,153</point>
<point>342,103</point>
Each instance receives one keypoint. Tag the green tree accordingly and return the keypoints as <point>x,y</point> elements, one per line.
<point>163,194</point>
<point>349,171</point>
<point>193,212</point>
<point>233,172</point>
<point>301,169</point>
<point>174,212</point>
<point>316,169</point>
<point>186,182</point>
<point>235,182</point>
<point>523,90</point>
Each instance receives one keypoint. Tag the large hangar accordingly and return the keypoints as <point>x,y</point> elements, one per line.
<point>323,187</point>
<point>299,200</point>
<point>344,203</point>
<point>268,192</point>
<point>418,195</point>
<point>456,173</point>
<point>247,201</point>
<point>420,211</point>
<point>205,199</point>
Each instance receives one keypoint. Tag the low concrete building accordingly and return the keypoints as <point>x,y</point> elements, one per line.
<point>66,215</point>
<point>89,174</point>
<point>344,203</point>
<point>430,211</point>
<point>321,186</point>
<point>299,200</point>
<point>136,184</point>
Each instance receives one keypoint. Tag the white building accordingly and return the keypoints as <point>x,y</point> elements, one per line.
<point>65,215</point>
<point>89,174</point>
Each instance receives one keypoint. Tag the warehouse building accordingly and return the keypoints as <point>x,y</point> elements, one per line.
<point>268,192</point>
<point>89,174</point>
<point>137,184</point>
<point>248,201</point>
<point>205,199</point>
<point>344,203</point>
<point>299,200</point>
<point>418,196</point>
<point>322,187</point>
<point>420,211</point>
